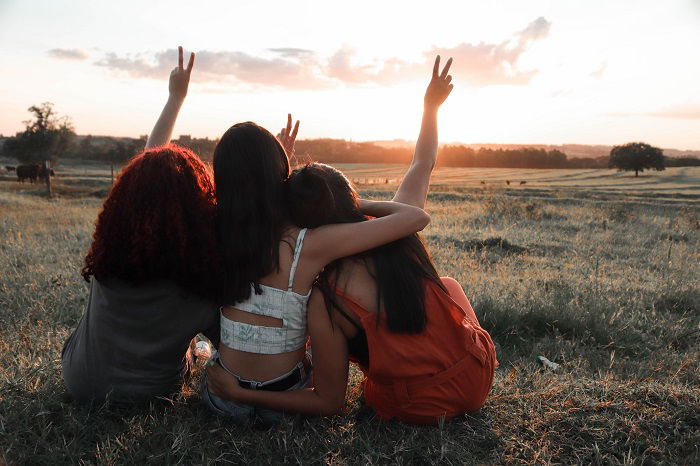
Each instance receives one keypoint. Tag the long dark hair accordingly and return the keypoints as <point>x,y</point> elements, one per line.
<point>318,194</point>
<point>157,223</point>
<point>250,167</point>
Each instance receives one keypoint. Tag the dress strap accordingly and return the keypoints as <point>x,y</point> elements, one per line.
<point>295,261</point>
<point>352,302</point>
<point>354,323</point>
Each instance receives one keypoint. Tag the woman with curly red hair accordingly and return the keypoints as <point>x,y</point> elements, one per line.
<point>153,268</point>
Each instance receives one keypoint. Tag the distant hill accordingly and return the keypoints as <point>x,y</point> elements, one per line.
<point>571,150</point>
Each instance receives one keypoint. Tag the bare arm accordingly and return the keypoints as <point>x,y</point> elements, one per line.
<point>330,372</point>
<point>414,187</point>
<point>394,221</point>
<point>179,82</point>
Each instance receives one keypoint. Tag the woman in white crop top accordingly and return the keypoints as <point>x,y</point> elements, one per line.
<point>271,264</point>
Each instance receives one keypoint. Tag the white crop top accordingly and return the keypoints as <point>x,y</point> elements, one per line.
<point>286,305</point>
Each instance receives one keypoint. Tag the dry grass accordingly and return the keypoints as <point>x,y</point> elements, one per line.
<point>605,284</point>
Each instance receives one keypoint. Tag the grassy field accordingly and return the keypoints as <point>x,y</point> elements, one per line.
<point>595,269</point>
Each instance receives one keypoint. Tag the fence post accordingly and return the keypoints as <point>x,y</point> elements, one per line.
<point>47,172</point>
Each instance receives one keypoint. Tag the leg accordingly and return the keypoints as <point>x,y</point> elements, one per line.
<point>457,294</point>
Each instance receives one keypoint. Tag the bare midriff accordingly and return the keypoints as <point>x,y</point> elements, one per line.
<point>256,366</point>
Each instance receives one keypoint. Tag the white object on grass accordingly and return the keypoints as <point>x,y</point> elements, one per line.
<point>547,363</point>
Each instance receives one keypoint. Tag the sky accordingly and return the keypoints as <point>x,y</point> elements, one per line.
<point>535,72</point>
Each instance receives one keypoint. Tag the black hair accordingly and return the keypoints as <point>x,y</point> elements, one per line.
<point>250,167</point>
<point>319,194</point>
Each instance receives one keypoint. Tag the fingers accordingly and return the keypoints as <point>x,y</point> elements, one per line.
<point>449,88</point>
<point>436,66</point>
<point>190,64</point>
<point>446,69</point>
<point>179,57</point>
<point>289,124</point>
<point>296,130</point>
<point>448,79</point>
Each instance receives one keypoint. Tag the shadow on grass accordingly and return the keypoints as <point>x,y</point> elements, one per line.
<point>43,426</point>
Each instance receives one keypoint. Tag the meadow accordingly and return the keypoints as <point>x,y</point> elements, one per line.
<point>595,269</point>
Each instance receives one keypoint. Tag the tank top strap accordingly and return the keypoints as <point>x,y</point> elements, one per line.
<point>295,260</point>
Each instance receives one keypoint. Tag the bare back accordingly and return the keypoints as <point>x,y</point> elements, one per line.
<point>256,366</point>
<point>356,280</point>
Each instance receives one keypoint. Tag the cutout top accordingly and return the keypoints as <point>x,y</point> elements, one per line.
<point>285,305</point>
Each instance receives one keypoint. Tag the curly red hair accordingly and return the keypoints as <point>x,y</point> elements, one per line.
<point>158,223</point>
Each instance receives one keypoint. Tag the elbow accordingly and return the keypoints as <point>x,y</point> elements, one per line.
<point>422,219</point>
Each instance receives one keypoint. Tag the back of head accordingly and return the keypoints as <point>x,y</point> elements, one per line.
<point>319,194</point>
<point>250,167</point>
<point>157,223</point>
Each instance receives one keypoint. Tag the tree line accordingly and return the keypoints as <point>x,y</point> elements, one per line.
<point>50,137</point>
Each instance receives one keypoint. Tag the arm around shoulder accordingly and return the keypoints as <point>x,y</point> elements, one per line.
<point>394,220</point>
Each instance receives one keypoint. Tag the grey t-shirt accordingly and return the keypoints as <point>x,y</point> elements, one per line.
<point>131,342</point>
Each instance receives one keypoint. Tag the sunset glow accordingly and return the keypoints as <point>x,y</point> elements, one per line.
<point>524,72</point>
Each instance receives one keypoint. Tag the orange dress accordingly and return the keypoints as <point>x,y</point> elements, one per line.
<point>444,371</point>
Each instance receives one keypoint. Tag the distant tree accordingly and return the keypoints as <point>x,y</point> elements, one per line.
<point>46,137</point>
<point>636,156</point>
<point>203,147</point>
<point>683,161</point>
<point>121,150</point>
<point>84,147</point>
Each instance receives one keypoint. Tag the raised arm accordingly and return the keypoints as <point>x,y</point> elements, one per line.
<point>179,81</point>
<point>330,360</point>
<point>414,187</point>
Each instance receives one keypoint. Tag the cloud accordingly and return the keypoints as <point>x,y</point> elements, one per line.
<point>342,67</point>
<point>600,71</point>
<point>287,68</point>
<point>482,64</point>
<point>536,30</point>
<point>68,54</point>
<point>288,52</point>
<point>683,111</point>
<point>140,66</point>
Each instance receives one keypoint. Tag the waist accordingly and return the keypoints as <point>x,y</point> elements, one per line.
<point>256,366</point>
<point>300,372</point>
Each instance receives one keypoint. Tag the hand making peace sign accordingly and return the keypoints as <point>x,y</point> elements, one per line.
<point>287,136</point>
<point>180,77</point>
<point>439,87</point>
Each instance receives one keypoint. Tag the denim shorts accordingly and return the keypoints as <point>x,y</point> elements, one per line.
<point>242,413</point>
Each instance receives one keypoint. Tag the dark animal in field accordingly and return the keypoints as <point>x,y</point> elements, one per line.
<point>28,172</point>
<point>483,182</point>
<point>43,171</point>
<point>523,182</point>
<point>10,168</point>
<point>508,182</point>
